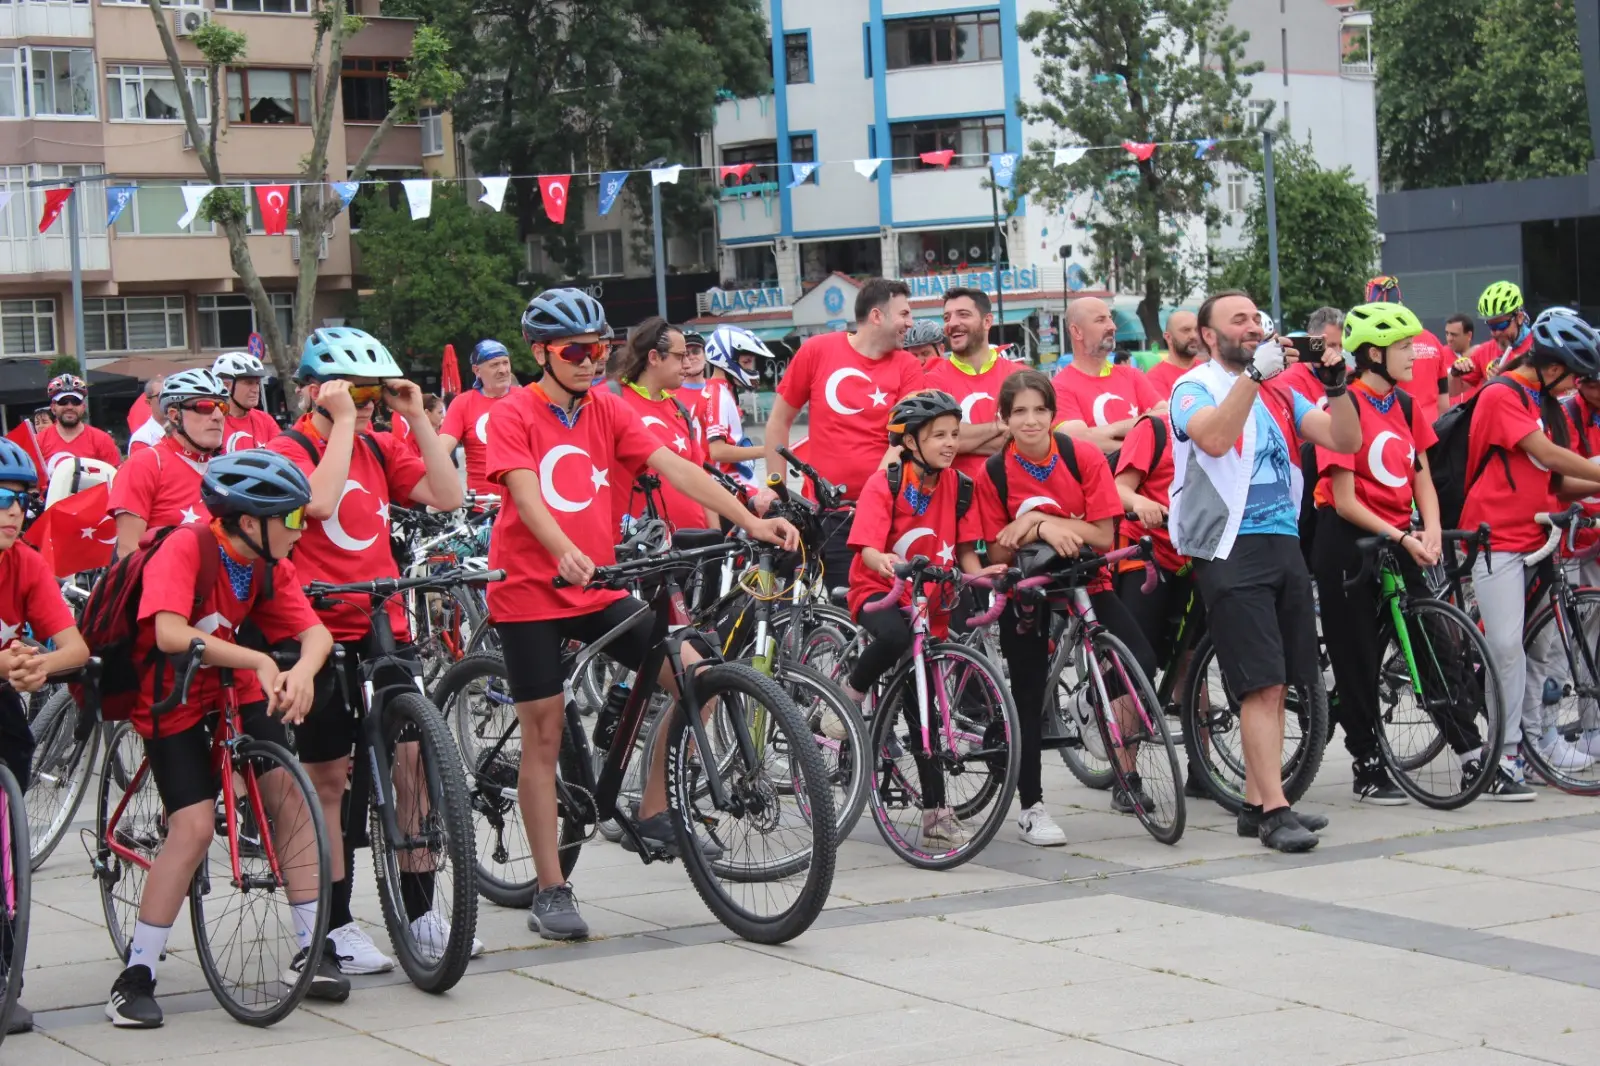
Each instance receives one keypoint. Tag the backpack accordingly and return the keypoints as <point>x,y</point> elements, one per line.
<point>995,467</point>
<point>963,488</point>
<point>1575,414</point>
<point>1447,459</point>
<point>310,447</point>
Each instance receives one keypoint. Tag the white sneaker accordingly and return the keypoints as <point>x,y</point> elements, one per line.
<point>833,726</point>
<point>356,953</point>
<point>1589,743</point>
<point>1563,755</point>
<point>1039,829</point>
<point>432,934</point>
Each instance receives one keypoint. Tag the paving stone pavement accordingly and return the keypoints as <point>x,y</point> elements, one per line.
<point>1409,938</point>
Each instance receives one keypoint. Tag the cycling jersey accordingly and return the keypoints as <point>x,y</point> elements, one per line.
<point>92,443</point>
<point>1512,488</point>
<point>253,429</point>
<point>1049,487</point>
<point>1138,453</point>
<point>662,417</point>
<point>979,393</point>
<point>467,420</point>
<point>1429,371</point>
<point>1116,394</point>
<point>1386,461</point>
<point>899,528</point>
<point>1488,359</point>
<point>160,484</point>
<point>148,435</point>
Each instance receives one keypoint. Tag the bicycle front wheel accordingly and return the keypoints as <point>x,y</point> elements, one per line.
<point>244,929</point>
<point>1068,719</point>
<point>141,830</point>
<point>841,736</point>
<point>62,767</point>
<point>426,880</point>
<point>15,896</point>
<point>1563,652</point>
<point>777,833</point>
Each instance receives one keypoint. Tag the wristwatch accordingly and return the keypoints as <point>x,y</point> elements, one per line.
<point>1254,374</point>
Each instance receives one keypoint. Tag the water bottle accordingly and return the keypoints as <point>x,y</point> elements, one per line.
<point>1552,692</point>
<point>605,724</point>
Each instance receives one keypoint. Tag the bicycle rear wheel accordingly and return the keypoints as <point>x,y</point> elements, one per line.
<point>778,837</point>
<point>1067,716</point>
<point>62,767</point>
<point>244,931</point>
<point>16,884</point>
<point>1564,665</point>
<point>1158,801</point>
<point>825,707</point>
<point>433,863</point>
<point>142,829</point>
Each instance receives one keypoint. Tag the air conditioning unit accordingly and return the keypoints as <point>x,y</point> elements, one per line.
<point>187,21</point>
<point>294,247</point>
<point>188,141</point>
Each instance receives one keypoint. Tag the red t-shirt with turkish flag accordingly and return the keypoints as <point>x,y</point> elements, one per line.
<point>253,430</point>
<point>160,484</point>
<point>1139,453</point>
<point>30,596</point>
<point>1386,461</point>
<point>664,421</point>
<point>574,457</point>
<point>467,420</point>
<point>850,398</point>
<point>92,443</point>
<point>1429,372</point>
<point>169,586</point>
<point>1486,361</point>
<point>978,391</point>
<point>895,527</point>
<point>352,544</point>
<point>1299,377</point>
<point>1163,376</point>
<point>1115,395</point>
<point>1505,415</point>
<point>1057,492</point>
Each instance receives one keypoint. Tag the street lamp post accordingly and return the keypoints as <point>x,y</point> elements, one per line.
<point>658,238</point>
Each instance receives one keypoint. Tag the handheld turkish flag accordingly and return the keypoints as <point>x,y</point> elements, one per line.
<point>553,190</point>
<point>54,201</point>
<point>940,158</point>
<point>22,436</point>
<point>449,373</point>
<point>274,208</point>
<point>77,534</point>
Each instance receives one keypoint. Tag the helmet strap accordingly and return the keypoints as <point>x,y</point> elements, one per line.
<point>263,550</point>
<point>175,427</point>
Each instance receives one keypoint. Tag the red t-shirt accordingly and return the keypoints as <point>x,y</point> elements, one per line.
<point>253,430</point>
<point>169,585</point>
<point>467,420</point>
<point>1298,377</point>
<point>1429,373</point>
<point>575,464</point>
<point>1504,416</point>
<point>1115,395</point>
<point>1385,463</point>
<point>1091,499</point>
<point>850,398</point>
<point>1138,453</point>
<point>1163,376</point>
<point>30,596</point>
<point>160,484</point>
<point>1486,361</point>
<point>978,391</point>
<point>662,419</point>
<point>892,526</point>
<point>352,544</point>
<point>92,443</point>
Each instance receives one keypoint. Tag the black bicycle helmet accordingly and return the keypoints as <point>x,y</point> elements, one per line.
<point>557,313</point>
<point>254,482</point>
<point>918,409</point>
<point>1563,337</point>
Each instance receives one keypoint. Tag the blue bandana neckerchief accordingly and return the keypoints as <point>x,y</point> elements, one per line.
<point>1035,471</point>
<point>1380,404</point>
<point>239,575</point>
<point>561,413</point>
<point>918,499</point>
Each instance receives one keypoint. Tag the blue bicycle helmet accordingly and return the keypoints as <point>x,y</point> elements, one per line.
<point>254,482</point>
<point>557,313</point>
<point>1561,335</point>
<point>725,345</point>
<point>341,352</point>
<point>16,464</point>
<point>487,350</point>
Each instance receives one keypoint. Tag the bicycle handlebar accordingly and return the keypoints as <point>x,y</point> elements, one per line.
<point>387,587</point>
<point>1567,522</point>
<point>1372,548</point>
<point>1011,581</point>
<point>829,498</point>
<point>620,573</point>
<point>184,670</point>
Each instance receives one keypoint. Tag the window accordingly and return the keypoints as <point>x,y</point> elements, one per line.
<point>1260,111</point>
<point>1355,45</point>
<point>27,327</point>
<point>134,324</point>
<point>431,119</point>
<point>266,7</point>
<point>61,82</point>
<point>971,138</point>
<point>269,97</point>
<point>154,212</point>
<point>1238,190</point>
<point>797,55</point>
<point>602,253</point>
<point>149,94</point>
<point>764,154</point>
<point>968,38</point>
<point>365,87</point>
<point>10,83</point>
<point>951,249</point>
<point>803,149</point>
<point>754,266</point>
<point>14,215</point>
<point>227,321</point>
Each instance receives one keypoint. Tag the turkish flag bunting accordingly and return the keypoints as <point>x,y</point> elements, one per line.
<point>54,201</point>
<point>23,437</point>
<point>76,534</point>
<point>737,170</point>
<point>1140,150</point>
<point>553,190</point>
<point>939,159</point>
<point>274,208</point>
<point>449,373</point>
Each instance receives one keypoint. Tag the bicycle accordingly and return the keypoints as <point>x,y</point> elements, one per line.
<point>1556,611</point>
<point>408,790</point>
<point>16,895</point>
<point>444,624</point>
<point>66,740</point>
<point>272,836</point>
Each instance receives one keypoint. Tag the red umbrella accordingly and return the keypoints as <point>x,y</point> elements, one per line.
<point>449,373</point>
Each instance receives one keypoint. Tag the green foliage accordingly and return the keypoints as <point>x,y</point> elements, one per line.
<point>446,279</point>
<point>220,45</point>
<point>429,75</point>
<point>1531,111</point>
<point>1327,238</point>
<point>225,205</point>
<point>63,364</point>
<point>1137,70</point>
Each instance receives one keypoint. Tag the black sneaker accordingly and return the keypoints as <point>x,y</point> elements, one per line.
<point>327,983</point>
<point>1193,786</point>
<point>133,1000</point>
<point>658,833</point>
<point>1372,784</point>
<point>1248,823</point>
<point>1282,831</point>
<point>1503,787</point>
<point>1122,799</point>
<point>21,1021</point>
<point>554,914</point>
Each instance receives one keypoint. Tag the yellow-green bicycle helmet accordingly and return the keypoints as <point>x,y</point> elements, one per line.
<point>1381,324</point>
<point>1499,300</point>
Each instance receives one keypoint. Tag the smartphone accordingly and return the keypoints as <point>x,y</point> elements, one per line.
<point>1310,349</point>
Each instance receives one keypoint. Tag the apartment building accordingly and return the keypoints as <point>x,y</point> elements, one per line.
<point>85,90</point>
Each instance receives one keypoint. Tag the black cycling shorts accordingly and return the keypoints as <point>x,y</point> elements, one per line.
<point>1261,614</point>
<point>329,731</point>
<point>181,762</point>
<point>532,650</point>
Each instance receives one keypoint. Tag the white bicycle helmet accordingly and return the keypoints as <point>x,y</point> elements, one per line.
<point>724,346</point>
<point>1268,328</point>
<point>238,365</point>
<point>197,384</point>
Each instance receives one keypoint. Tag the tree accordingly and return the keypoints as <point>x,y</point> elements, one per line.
<point>428,77</point>
<point>1144,71</point>
<point>63,364</point>
<point>1428,129</point>
<point>446,279</point>
<point>1327,238</point>
<point>604,84</point>
<point>1529,97</point>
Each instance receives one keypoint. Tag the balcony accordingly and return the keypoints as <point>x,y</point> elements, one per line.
<point>46,18</point>
<point>401,147</point>
<point>751,212</point>
<point>1355,46</point>
<point>51,254</point>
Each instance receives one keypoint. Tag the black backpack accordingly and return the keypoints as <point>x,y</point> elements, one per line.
<point>310,447</point>
<point>895,474</point>
<point>996,467</point>
<point>1447,459</point>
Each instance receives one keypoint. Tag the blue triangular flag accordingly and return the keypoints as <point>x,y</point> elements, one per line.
<point>1202,145</point>
<point>800,172</point>
<point>611,183</point>
<point>1004,165</point>
<point>347,191</point>
<point>117,198</point>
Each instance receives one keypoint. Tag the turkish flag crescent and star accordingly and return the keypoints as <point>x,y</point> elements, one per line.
<point>274,208</point>
<point>553,189</point>
<point>449,373</point>
<point>54,201</point>
<point>76,534</point>
<point>22,436</point>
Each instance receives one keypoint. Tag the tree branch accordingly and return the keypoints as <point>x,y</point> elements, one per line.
<point>206,147</point>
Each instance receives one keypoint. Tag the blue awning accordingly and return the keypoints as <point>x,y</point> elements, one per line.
<point>1129,328</point>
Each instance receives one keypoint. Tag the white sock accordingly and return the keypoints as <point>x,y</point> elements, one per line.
<point>305,921</point>
<point>149,941</point>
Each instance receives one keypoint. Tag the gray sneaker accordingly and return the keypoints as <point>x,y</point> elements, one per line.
<point>554,915</point>
<point>658,833</point>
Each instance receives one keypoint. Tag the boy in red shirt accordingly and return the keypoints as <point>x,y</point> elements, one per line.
<point>247,425</point>
<point>160,486</point>
<point>467,421</point>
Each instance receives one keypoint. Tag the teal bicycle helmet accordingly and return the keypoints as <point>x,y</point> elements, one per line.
<point>15,464</point>
<point>342,352</point>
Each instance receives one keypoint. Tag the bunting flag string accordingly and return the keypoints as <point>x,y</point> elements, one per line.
<point>940,158</point>
<point>868,168</point>
<point>611,183</point>
<point>193,197</point>
<point>117,197</point>
<point>419,196</point>
<point>54,201</point>
<point>494,192</point>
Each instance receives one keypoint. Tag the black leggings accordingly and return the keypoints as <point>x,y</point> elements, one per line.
<point>891,635</point>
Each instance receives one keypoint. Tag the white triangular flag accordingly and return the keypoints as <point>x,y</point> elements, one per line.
<point>867,167</point>
<point>419,194</point>
<point>193,196</point>
<point>1065,157</point>
<point>666,175</point>
<point>5,198</point>
<point>494,191</point>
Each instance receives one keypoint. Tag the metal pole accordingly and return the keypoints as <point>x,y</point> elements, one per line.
<point>999,297</point>
<point>74,235</point>
<point>1272,227</point>
<point>661,256</point>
